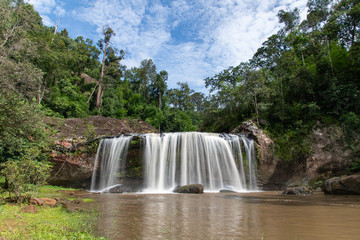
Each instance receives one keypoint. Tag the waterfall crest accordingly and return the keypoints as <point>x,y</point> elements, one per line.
<point>217,161</point>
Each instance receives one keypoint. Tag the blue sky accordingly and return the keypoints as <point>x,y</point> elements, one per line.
<point>189,39</point>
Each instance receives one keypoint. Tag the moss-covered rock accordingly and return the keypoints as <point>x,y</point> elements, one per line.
<point>192,188</point>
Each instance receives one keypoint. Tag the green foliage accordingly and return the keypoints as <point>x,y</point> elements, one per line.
<point>351,126</point>
<point>291,146</point>
<point>305,73</point>
<point>66,99</point>
<point>21,127</point>
<point>178,121</point>
<point>26,174</point>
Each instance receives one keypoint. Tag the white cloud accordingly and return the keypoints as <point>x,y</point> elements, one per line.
<point>43,6</point>
<point>47,21</point>
<point>191,40</point>
<point>46,8</point>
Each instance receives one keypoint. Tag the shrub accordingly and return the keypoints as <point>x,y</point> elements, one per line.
<point>25,175</point>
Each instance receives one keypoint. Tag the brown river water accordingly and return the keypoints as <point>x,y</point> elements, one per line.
<point>257,215</point>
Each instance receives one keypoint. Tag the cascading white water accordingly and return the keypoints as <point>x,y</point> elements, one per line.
<point>110,159</point>
<point>172,159</point>
<point>216,162</point>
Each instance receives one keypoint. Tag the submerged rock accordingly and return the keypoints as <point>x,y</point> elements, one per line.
<point>227,191</point>
<point>116,189</point>
<point>349,185</point>
<point>297,191</point>
<point>192,188</point>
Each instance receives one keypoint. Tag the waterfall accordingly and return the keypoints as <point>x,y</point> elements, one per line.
<point>217,161</point>
<point>110,159</point>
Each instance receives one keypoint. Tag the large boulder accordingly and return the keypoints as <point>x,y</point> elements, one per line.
<point>349,185</point>
<point>299,191</point>
<point>192,188</point>
<point>116,189</point>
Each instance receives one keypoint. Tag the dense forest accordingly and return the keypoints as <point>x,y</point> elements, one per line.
<point>307,72</point>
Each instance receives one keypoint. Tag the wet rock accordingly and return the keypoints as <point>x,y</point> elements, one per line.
<point>349,185</point>
<point>299,191</point>
<point>192,188</point>
<point>29,209</point>
<point>227,191</point>
<point>117,189</point>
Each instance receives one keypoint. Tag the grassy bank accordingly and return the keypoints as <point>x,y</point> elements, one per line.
<point>47,222</point>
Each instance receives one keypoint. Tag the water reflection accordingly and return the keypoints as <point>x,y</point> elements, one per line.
<point>228,216</point>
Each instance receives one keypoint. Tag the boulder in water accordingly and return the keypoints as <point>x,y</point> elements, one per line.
<point>116,189</point>
<point>192,188</point>
<point>227,191</point>
<point>349,185</point>
<point>297,191</point>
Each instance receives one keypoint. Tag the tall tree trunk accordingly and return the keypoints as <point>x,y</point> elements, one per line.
<point>41,92</point>
<point>160,102</point>
<point>329,53</point>
<point>92,93</point>
<point>57,25</point>
<point>99,95</point>
<point>256,109</point>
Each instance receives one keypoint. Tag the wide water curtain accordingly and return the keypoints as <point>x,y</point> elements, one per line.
<point>110,159</point>
<point>214,160</point>
<point>217,161</point>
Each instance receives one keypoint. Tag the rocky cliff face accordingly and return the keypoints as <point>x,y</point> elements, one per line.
<point>265,151</point>
<point>73,161</point>
<point>330,156</point>
<point>330,151</point>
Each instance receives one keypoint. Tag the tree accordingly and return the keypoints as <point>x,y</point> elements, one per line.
<point>104,46</point>
<point>290,19</point>
<point>158,87</point>
<point>16,50</point>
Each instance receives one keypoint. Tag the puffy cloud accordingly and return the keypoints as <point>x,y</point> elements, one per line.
<point>191,40</point>
<point>43,6</point>
<point>48,9</point>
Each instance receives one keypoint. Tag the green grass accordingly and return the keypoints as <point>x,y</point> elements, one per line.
<point>52,191</point>
<point>47,223</point>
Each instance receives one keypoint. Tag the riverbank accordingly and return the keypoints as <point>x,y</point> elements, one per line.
<point>63,221</point>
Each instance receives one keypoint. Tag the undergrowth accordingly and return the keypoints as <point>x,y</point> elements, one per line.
<point>47,223</point>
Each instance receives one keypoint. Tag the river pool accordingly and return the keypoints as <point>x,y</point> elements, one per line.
<point>256,215</point>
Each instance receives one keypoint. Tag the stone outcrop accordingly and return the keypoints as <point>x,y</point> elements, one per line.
<point>265,148</point>
<point>299,191</point>
<point>343,185</point>
<point>330,152</point>
<point>191,188</point>
<point>73,166</point>
<point>330,155</point>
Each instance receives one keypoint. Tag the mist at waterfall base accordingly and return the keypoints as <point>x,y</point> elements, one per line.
<point>217,161</point>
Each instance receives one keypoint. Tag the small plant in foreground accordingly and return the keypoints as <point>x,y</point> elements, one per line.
<point>25,175</point>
